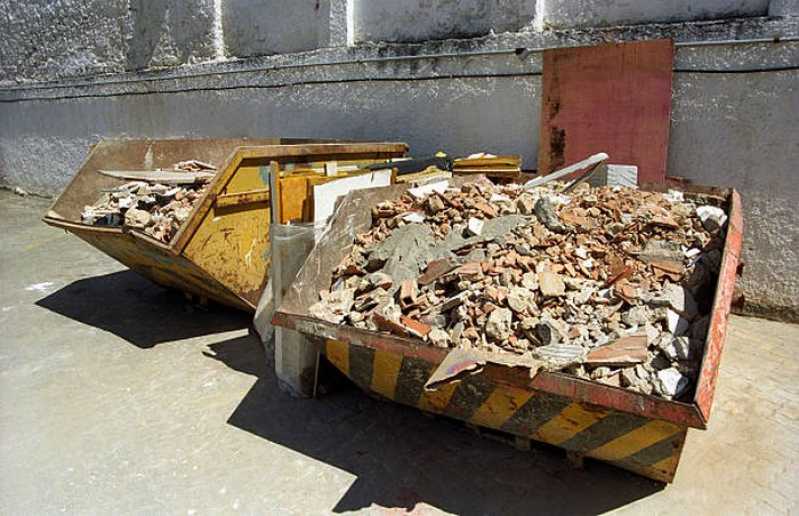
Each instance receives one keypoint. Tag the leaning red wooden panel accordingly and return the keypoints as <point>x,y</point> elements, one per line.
<point>608,98</point>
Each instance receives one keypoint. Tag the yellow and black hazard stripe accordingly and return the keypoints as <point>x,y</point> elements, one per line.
<point>646,446</point>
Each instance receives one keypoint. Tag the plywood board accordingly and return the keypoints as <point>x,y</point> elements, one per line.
<point>609,98</point>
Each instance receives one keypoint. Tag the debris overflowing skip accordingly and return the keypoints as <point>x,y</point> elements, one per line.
<point>155,202</point>
<point>610,284</point>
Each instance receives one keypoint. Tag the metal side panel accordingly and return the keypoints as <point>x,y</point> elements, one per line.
<point>159,265</point>
<point>647,446</point>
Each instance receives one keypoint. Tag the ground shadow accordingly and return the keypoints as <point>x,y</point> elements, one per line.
<point>139,311</point>
<point>403,458</point>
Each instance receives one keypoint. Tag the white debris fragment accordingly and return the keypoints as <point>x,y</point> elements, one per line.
<point>712,218</point>
<point>672,382</point>
<point>693,252</point>
<point>497,197</point>
<point>475,226</point>
<point>414,217</point>
<point>40,287</point>
<point>420,192</point>
<point>674,196</point>
<point>677,324</point>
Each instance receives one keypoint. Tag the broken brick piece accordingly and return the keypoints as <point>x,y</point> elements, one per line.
<point>435,269</point>
<point>407,293</point>
<point>386,324</point>
<point>414,327</point>
<point>469,271</point>
<point>622,352</point>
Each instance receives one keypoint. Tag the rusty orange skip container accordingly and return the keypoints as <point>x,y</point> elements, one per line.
<point>220,252</point>
<point>641,433</point>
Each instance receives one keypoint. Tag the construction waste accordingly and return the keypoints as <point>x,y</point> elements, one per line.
<point>611,284</point>
<point>155,202</point>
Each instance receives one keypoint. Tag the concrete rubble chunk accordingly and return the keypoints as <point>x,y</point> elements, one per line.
<point>636,316</point>
<point>498,326</point>
<point>157,209</point>
<point>439,338</point>
<point>434,204</point>
<point>550,284</point>
<point>679,299</point>
<point>608,284</point>
<point>661,250</point>
<point>677,348</point>
<point>545,211</point>
<point>628,377</point>
<point>519,299</point>
<point>530,281</point>
<point>335,307</point>
<point>414,217</point>
<point>138,219</point>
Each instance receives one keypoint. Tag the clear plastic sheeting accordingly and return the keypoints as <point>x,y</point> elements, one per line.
<point>296,356</point>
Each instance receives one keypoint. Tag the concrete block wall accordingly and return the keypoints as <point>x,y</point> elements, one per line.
<point>421,20</point>
<point>52,40</point>
<point>265,27</point>
<point>74,72</point>
<point>601,13</point>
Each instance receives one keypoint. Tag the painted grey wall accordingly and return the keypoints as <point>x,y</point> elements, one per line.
<point>740,130</point>
<point>50,40</point>
<point>735,107</point>
<point>263,27</point>
<point>420,20</point>
<point>783,8</point>
<point>597,13</point>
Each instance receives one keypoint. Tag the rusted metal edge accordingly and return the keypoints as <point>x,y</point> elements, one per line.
<point>554,383</point>
<point>119,230</point>
<point>385,342</point>
<point>617,398</point>
<point>714,343</point>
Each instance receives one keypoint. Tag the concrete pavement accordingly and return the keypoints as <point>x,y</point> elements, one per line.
<point>118,397</point>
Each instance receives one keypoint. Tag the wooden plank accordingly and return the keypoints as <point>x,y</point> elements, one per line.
<point>242,198</point>
<point>609,98</point>
<point>160,176</point>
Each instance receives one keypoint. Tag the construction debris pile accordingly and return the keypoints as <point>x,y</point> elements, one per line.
<point>608,284</point>
<point>156,202</point>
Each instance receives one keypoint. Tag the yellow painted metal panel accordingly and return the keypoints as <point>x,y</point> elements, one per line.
<point>293,199</point>
<point>573,419</point>
<point>385,370</point>
<point>503,402</point>
<point>230,245</point>
<point>436,401</point>
<point>632,442</point>
<point>338,353</point>
<point>246,178</point>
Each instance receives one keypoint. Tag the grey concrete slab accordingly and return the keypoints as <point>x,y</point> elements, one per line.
<point>118,397</point>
